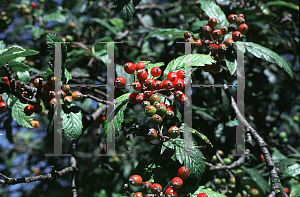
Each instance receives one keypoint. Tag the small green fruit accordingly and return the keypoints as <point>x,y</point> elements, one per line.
<point>282,135</point>
<point>69,38</point>
<point>217,182</point>
<point>223,180</point>
<point>227,161</point>
<point>145,103</point>
<point>153,98</point>
<point>156,119</point>
<point>150,110</point>
<point>232,180</point>
<point>161,109</point>
<point>247,188</point>
<point>152,134</point>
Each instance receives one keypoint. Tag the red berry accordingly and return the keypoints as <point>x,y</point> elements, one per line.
<point>198,43</point>
<point>206,43</point>
<point>232,18</point>
<point>171,76</point>
<point>229,42</point>
<point>37,108</point>
<point>37,81</point>
<point>171,192</point>
<point>236,35</point>
<point>183,99</point>
<point>190,40</point>
<point>33,4</point>
<point>49,87</point>
<point>243,28</point>
<point>129,67</point>
<point>202,195</point>
<point>183,172</point>
<point>222,47</point>
<point>140,98</point>
<point>286,190</point>
<point>262,158</point>
<point>212,22</point>
<point>51,79</point>
<point>173,132</point>
<point>68,100</point>
<point>61,93</point>
<point>206,30</point>
<point>149,83</point>
<point>240,20</point>
<point>142,75</point>
<point>254,192</point>
<point>167,84</point>
<point>178,94</point>
<point>220,56</point>
<point>213,47</point>
<point>178,83</point>
<point>187,35</point>
<point>77,95</point>
<point>137,85</point>
<point>120,82</point>
<point>158,85</point>
<point>139,65</point>
<point>155,71</point>
<point>132,98</point>
<point>176,182</point>
<point>138,194</point>
<point>180,74</point>
<point>28,110</point>
<point>241,15</point>
<point>172,108</point>
<point>2,106</point>
<point>135,180</point>
<point>53,102</point>
<point>9,84</point>
<point>156,188</point>
<point>224,30</point>
<point>147,184</point>
<point>0,98</point>
<point>216,34</point>
<point>148,93</point>
<point>4,79</point>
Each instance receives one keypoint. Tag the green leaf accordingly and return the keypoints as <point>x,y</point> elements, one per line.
<point>118,23</point>
<point>168,31</point>
<point>186,152</point>
<point>263,52</point>
<point>17,66</point>
<point>258,178</point>
<point>37,32</point>
<point>118,115</point>
<point>184,128</point>
<point>214,11</point>
<point>283,3</point>
<point>54,17</point>
<point>11,57</point>
<point>105,24</point>
<point>196,26</point>
<point>207,191</point>
<point>67,75</point>
<point>231,63</point>
<point>12,50</point>
<point>201,112</point>
<point>126,9</point>
<point>292,171</point>
<point>193,59</point>
<point>295,191</point>
<point>71,121</point>
<point>2,45</point>
<point>17,111</point>
<point>51,46</point>
<point>24,76</point>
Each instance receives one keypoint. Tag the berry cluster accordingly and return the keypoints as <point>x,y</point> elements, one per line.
<point>217,49</point>
<point>156,188</point>
<point>148,87</point>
